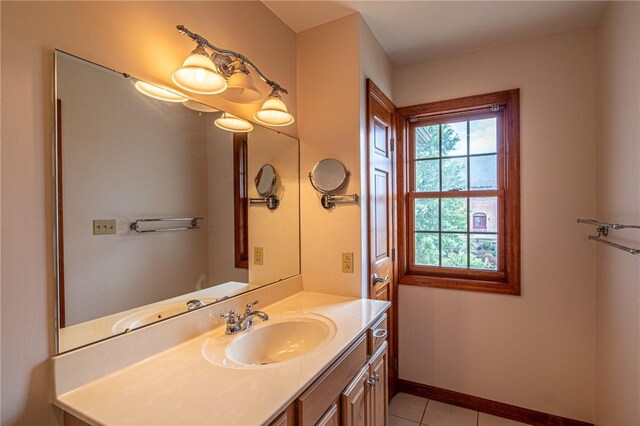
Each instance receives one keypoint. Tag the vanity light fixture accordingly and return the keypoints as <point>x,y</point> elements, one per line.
<point>233,68</point>
<point>198,74</point>
<point>241,87</point>
<point>274,112</point>
<point>231,123</point>
<point>158,92</point>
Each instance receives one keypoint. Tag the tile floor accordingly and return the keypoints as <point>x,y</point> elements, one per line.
<point>411,410</point>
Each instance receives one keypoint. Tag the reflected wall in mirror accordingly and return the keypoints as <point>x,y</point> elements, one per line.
<point>123,157</point>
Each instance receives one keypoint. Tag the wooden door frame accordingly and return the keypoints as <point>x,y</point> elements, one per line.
<point>374,93</point>
<point>240,200</point>
<point>62,320</point>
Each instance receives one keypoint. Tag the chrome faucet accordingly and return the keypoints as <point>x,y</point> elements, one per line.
<point>194,304</point>
<point>237,323</point>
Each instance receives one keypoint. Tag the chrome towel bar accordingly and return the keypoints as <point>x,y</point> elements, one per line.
<point>135,226</point>
<point>603,230</point>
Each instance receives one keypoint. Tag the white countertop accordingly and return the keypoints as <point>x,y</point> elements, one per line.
<point>180,387</point>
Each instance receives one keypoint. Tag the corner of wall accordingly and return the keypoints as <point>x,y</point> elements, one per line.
<point>328,116</point>
<point>617,324</point>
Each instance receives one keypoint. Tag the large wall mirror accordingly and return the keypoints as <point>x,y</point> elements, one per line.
<point>153,206</point>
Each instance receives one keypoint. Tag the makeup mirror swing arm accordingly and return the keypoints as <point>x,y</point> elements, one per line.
<point>272,201</point>
<point>329,201</point>
<point>225,58</point>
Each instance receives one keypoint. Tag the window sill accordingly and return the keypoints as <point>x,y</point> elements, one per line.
<point>461,284</point>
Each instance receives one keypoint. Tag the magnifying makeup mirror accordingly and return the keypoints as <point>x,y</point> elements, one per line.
<point>266,180</point>
<point>328,177</point>
<point>266,183</point>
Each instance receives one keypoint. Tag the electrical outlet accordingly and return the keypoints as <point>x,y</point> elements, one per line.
<point>258,256</point>
<point>347,262</point>
<point>104,226</point>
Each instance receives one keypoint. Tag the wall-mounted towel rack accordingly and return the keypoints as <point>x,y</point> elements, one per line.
<point>603,231</point>
<point>135,226</point>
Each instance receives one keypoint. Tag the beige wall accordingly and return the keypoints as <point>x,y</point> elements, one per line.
<point>334,61</point>
<point>535,350</point>
<point>139,38</point>
<point>329,126</point>
<point>618,200</point>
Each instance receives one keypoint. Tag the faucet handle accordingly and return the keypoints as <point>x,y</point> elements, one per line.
<point>251,305</point>
<point>229,314</point>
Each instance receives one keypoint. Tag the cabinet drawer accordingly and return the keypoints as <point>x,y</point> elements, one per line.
<point>331,417</point>
<point>315,401</point>
<point>377,335</point>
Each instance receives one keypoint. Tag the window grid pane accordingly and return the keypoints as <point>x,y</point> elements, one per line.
<point>446,235</point>
<point>455,165</point>
<point>440,239</point>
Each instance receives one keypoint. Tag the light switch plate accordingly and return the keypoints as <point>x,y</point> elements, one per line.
<point>104,226</point>
<point>347,263</point>
<point>258,256</point>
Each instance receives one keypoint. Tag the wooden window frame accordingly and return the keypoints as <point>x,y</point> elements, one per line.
<point>507,279</point>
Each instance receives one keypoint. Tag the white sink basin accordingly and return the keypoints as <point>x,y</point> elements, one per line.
<point>271,342</point>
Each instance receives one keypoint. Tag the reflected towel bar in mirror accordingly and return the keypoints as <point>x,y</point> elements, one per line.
<point>135,226</point>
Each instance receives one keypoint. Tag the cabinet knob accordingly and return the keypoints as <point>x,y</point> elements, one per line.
<point>380,333</point>
<point>373,380</point>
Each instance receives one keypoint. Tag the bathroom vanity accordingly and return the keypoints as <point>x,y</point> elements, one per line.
<point>339,378</point>
<point>174,238</point>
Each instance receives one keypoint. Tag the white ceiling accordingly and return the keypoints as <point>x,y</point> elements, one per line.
<point>415,31</point>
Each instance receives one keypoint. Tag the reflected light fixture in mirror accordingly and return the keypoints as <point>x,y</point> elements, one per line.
<point>197,106</point>
<point>158,92</point>
<point>231,123</point>
<point>198,74</point>
<point>274,112</point>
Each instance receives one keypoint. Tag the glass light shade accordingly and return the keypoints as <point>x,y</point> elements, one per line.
<point>231,123</point>
<point>274,113</point>
<point>242,89</point>
<point>197,106</point>
<point>198,75</point>
<point>158,92</point>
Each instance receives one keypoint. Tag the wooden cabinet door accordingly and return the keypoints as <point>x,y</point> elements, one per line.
<point>355,400</point>
<point>379,387</point>
<point>331,417</point>
<point>286,418</point>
